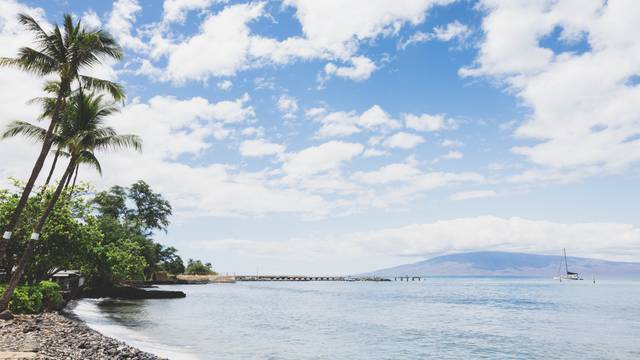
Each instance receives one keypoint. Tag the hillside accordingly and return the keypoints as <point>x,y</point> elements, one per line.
<point>496,263</point>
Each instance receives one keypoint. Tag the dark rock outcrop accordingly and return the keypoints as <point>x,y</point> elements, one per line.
<point>130,293</point>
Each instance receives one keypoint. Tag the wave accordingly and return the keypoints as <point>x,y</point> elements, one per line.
<point>88,310</point>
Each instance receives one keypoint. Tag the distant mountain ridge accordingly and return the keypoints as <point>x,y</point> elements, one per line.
<point>498,263</point>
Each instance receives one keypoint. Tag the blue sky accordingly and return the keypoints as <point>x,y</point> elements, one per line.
<point>338,137</point>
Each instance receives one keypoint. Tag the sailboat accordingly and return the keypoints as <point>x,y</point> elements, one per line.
<point>568,275</point>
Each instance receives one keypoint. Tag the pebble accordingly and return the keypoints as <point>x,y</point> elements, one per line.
<point>55,336</point>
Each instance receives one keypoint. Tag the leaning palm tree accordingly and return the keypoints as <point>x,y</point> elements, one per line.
<point>64,52</point>
<point>84,133</point>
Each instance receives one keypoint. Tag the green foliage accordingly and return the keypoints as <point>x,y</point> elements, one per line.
<point>152,211</point>
<point>51,297</point>
<point>33,299</point>
<point>124,262</point>
<point>198,268</point>
<point>107,236</point>
<point>136,224</point>
<point>170,261</point>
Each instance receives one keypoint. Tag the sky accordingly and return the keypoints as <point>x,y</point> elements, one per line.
<point>339,137</point>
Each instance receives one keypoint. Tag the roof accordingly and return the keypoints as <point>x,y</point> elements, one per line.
<point>67,273</point>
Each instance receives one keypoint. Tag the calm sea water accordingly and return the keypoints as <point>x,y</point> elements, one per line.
<point>437,318</point>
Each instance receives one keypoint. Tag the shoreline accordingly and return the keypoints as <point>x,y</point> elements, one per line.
<point>62,335</point>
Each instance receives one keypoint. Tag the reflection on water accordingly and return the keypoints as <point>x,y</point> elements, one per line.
<point>443,318</point>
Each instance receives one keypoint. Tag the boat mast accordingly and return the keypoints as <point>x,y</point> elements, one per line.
<point>566,267</point>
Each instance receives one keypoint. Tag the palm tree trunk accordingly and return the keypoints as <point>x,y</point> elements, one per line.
<point>75,177</point>
<point>53,167</point>
<point>35,236</point>
<point>37,167</point>
<point>68,180</point>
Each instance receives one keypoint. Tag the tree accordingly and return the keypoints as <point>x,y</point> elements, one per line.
<point>150,212</point>
<point>84,133</point>
<point>85,233</point>
<point>198,268</point>
<point>64,53</point>
<point>170,261</point>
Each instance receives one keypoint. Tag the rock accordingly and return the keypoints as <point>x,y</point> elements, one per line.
<point>131,293</point>
<point>10,355</point>
<point>53,336</point>
<point>6,315</point>
<point>30,328</point>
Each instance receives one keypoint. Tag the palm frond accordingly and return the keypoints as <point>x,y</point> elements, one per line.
<point>32,25</point>
<point>117,142</point>
<point>112,88</point>
<point>32,61</point>
<point>23,128</point>
<point>87,157</point>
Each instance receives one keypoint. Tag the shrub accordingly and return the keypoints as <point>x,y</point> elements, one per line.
<point>33,299</point>
<point>51,297</point>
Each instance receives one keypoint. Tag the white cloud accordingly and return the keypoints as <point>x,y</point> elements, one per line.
<point>474,194</point>
<point>334,23</point>
<point>453,30</point>
<point>427,122</point>
<point>176,10</point>
<point>219,49</point>
<point>317,159</point>
<point>288,106</point>
<point>403,140</point>
<point>399,183</point>
<point>372,152</point>
<point>375,118</point>
<point>14,98</point>
<point>225,44</point>
<point>334,124</point>
<point>120,24</point>
<point>341,123</point>
<point>453,155</point>
<point>399,172</point>
<point>253,131</point>
<point>259,148</point>
<point>584,110</point>
<point>361,69</point>
<point>171,127</point>
<point>224,85</point>
<point>451,143</point>
<point>461,235</point>
<point>91,20</point>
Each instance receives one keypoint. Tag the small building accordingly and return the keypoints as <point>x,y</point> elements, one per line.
<point>68,279</point>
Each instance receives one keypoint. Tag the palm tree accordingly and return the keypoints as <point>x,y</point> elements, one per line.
<point>82,134</point>
<point>63,52</point>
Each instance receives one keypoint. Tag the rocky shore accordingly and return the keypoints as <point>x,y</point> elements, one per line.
<point>55,336</point>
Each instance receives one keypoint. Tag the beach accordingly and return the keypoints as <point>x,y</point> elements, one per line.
<point>58,336</point>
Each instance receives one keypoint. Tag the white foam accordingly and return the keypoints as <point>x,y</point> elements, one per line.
<point>89,312</point>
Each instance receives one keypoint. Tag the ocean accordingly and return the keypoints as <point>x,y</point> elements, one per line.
<point>436,318</point>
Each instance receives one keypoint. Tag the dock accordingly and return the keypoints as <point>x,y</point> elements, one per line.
<point>212,279</point>
<point>307,278</point>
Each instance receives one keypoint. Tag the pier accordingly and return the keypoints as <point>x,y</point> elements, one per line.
<point>306,278</point>
<point>408,278</point>
<point>206,279</point>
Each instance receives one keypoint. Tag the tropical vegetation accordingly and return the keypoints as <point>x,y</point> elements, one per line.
<point>107,235</point>
<point>196,267</point>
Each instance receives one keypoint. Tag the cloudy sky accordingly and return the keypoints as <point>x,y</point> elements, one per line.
<point>342,136</point>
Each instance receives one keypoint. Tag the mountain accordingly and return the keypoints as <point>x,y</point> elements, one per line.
<point>497,263</point>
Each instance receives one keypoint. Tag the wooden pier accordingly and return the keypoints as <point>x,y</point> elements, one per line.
<point>408,278</point>
<point>306,278</point>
